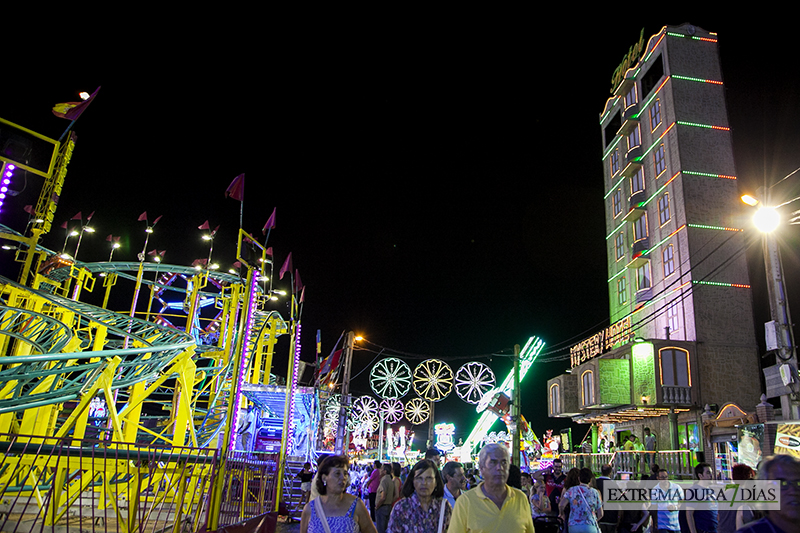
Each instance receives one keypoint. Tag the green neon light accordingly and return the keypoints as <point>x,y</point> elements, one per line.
<point>720,284</point>
<point>701,80</point>
<point>692,37</point>
<point>618,274</point>
<point>527,356</point>
<point>709,175</point>
<point>611,148</point>
<point>721,228</point>
<point>708,126</point>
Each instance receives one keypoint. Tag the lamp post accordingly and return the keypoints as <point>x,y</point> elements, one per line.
<point>779,333</point>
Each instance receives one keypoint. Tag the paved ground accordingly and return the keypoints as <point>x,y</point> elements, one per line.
<point>291,527</point>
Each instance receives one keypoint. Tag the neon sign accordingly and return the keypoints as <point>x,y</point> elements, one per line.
<point>600,342</point>
<point>630,59</point>
<point>444,437</point>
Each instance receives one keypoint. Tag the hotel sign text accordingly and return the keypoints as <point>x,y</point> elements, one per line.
<point>630,59</point>
<point>601,342</point>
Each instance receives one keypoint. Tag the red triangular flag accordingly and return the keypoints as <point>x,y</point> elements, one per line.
<point>28,209</point>
<point>143,216</point>
<point>236,189</point>
<point>268,251</point>
<point>72,110</point>
<point>215,230</point>
<point>270,222</point>
<point>109,237</point>
<point>287,265</point>
<point>77,216</point>
<point>89,218</point>
<point>204,225</point>
<point>298,285</point>
<point>64,225</point>
<point>157,219</point>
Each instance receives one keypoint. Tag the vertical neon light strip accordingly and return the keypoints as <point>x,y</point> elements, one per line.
<point>245,357</point>
<point>289,439</point>
<point>5,181</point>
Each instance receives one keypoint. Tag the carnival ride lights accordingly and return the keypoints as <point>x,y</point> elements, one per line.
<point>527,356</point>
<point>7,174</point>
<point>245,354</point>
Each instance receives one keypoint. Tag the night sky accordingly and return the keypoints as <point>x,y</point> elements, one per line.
<point>440,187</point>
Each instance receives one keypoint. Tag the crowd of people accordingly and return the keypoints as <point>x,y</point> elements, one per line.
<point>499,498</point>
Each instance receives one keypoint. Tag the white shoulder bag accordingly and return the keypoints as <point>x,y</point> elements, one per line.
<point>321,515</point>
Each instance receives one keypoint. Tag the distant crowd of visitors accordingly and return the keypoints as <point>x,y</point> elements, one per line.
<point>499,498</point>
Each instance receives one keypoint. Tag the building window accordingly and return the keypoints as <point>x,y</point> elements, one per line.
<point>633,138</point>
<point>643,276</point>
<point>672,317</point>
<point>674,367</point>
<point>659,160</point>
<point>669,264</point>
<point>614,162</point>
<point>640,228</point>
<point>637,182</point>
<point>663,208</point>
<point>587,388</point>
<point>555,400</point>
<point>619,246</point>
<point>622,291</point>
<point>655,114</point>
<point>617,199</point>
<point>630,98</point>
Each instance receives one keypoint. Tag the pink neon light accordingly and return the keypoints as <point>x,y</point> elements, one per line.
<point>289,440</point>
<point>245,354</point>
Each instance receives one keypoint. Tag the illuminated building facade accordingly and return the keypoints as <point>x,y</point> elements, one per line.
<point>682,333</point>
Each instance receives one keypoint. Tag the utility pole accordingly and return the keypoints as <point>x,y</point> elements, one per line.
<point>342,435</point>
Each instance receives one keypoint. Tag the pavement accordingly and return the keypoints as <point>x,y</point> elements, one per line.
<point>288,527</point>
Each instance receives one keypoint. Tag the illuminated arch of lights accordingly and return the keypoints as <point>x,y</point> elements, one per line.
<point>390,378</point>
<point>433,380</point>
<point>473,380</point>
<point>417,411</point>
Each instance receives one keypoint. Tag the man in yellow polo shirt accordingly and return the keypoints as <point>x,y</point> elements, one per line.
<point>492,506</point>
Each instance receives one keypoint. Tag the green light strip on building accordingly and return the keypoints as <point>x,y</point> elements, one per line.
<point>720,284</point>
<point>701,80</point>
<point>709,126</point>
<point>720,228</point>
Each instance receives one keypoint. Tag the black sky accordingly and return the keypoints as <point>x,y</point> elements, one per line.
<point>439,187</point>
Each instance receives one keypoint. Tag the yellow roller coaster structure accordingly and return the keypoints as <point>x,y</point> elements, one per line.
<point>130,470</point>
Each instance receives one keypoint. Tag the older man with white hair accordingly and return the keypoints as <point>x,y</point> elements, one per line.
<point>492,505</point>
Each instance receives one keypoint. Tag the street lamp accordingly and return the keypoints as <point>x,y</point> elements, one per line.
<point>778,332</point>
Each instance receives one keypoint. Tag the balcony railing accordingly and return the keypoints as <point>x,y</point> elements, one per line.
<point>676,395</point>
<point>677,462</point>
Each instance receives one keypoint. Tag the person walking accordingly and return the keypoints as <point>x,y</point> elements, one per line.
<point>703,520</point>
<point>305,476</point>
<point>334,510</point>
<point>492,506</point>
<point>786,470</point>
<point>586,508</point>
<point>453,476</point>
<point>372,482</point>
<point>423,508</point>
<point>665,516</point>
<point>384,499</point>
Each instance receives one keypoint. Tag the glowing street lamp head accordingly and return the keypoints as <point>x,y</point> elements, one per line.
<point>766,219</point>
<point>750,200</point>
